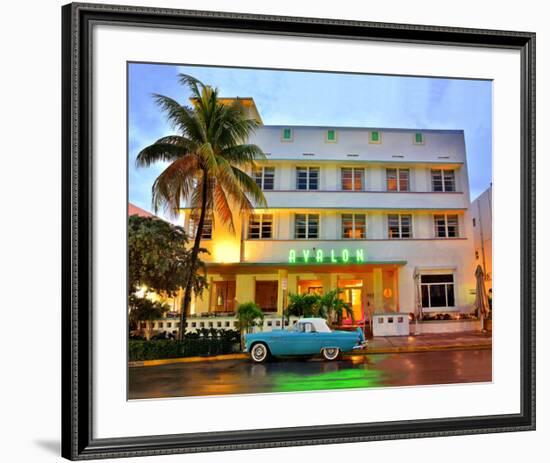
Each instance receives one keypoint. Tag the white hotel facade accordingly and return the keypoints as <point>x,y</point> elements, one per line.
<point>360,209</point>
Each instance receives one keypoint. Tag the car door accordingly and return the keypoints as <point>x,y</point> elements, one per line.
<point>307,339</point>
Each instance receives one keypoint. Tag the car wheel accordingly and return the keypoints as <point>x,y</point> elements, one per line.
<point>259,353</point>
<point>331,353</point>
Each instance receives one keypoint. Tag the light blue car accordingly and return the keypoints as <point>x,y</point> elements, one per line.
<point>309,336</point>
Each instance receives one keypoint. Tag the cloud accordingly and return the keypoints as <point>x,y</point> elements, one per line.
<point>318,98</point>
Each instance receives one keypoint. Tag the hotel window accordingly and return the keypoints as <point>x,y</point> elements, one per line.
<point>375,136</point>
<point>260,226</point>
<point>307,178</point>
<point>306,226</point>
<point>446,225</point>
<point>443,180</point>
<point>224,297</point>
<point>397,180</point>
<point>400,226</point>
<point>437,291</point>
<point>354,226</point>
<point>286,134</point>
<point>353,179</point>
<point>330,136</point>
<point>264,177</point>
<point>418,138</point>
<point>266,295</point>
<point>206,228</point>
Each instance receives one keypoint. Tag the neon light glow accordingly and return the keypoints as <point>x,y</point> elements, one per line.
<point>292,256</point>
<point>345,255</point>
<point>334,256</point>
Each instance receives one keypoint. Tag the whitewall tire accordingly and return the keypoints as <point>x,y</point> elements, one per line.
<point>331,353</point>
<point>259,353</point>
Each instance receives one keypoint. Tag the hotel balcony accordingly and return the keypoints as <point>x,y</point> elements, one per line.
<point>383,200</point>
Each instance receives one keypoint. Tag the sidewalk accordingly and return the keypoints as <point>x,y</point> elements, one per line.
<point>429,342</point>
<point>379,345</point>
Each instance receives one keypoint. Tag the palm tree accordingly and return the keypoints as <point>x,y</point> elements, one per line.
<point>208,161</point>
<point>249,315</point>
<point>332,307</point>
<point>145,310</point>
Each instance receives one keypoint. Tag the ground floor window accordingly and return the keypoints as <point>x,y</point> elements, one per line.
<point>437,291</point>
<point>266,295</point>
<point>224,296</point>
<point>310,287</point>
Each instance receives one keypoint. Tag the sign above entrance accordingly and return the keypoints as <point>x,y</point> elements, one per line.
<point>332,256</point>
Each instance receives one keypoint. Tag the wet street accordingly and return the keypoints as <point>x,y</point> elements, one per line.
<point>376,370</point>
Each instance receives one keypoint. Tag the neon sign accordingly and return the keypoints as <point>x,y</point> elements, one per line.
<point>319,256</point>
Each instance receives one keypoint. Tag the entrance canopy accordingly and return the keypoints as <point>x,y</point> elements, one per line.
<point>328,267</point>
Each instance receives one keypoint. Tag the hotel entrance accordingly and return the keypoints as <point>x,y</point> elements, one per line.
<point>352,293</point>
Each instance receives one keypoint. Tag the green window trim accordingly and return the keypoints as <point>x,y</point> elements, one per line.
<point>374,136</point>
<point>287,134</point>
<point>418,138</point>
<point>331,135</point>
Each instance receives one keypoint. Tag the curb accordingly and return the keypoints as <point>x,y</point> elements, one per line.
<point>368,351</point>
<point>152,363</point>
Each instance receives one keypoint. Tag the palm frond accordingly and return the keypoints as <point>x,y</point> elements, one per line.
<point>246,154</point>
<point>178,140</point>
<point>223,208</point>
<point>193,83</point>
<point>176,183</point>
<point>249,186</point>
<point>181,117</point>
<point>160,152</point>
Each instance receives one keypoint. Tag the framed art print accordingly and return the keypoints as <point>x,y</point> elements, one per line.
<point>315,230</point>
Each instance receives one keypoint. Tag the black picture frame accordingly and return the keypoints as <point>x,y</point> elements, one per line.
<point>77,257</point>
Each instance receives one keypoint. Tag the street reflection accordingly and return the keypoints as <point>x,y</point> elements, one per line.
<point>298,375</point>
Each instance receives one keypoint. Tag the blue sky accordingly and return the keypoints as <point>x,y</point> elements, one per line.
<point>311,98</point>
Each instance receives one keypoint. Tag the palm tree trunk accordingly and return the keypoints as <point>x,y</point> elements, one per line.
<point>194,258</point>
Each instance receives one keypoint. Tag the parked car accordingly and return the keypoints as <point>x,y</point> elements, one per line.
<point>309,336</point>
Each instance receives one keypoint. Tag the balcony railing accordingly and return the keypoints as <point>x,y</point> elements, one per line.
<point>337,199</point>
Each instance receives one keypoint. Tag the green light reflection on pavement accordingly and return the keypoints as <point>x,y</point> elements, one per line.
<point>343,379</point>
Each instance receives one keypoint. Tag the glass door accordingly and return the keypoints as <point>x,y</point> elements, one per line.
<point>352,293</point>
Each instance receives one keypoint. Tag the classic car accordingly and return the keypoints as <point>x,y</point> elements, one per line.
<point>309,336</point>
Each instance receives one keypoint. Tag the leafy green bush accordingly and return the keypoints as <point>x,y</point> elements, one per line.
<point>303,305</point>
<point>216,343</point>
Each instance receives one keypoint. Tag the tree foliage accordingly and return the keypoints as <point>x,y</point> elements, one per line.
<point>144,309</point>
<point>329,306</point>
<point>303,305</point>
<point>208,158</point>
<point>249,315</point>
<point>332,307</point>
<point>158,257</point>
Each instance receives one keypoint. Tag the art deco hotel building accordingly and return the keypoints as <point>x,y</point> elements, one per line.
<point>381,213</point>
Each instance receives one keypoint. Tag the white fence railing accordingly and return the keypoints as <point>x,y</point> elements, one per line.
<point>223,322</point>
